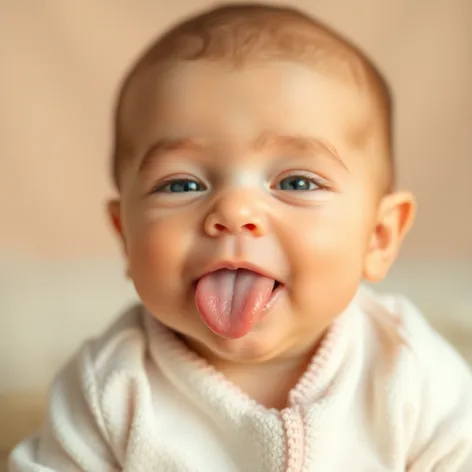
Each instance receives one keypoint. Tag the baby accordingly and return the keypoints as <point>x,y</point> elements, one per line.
<point>254,166</point>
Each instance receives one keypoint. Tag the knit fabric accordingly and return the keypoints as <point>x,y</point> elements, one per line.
<point>383,393</point>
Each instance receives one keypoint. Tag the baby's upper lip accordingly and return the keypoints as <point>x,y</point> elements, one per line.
<point>234,265</point>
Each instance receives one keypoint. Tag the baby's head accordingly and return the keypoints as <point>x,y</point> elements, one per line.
<point>253,161</point>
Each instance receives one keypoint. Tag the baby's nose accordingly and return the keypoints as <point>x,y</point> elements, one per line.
<point>236,213</point>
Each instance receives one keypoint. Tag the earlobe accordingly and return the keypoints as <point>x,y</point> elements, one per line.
<point>114,214</point>
<point>113,210</point>
<point>395,217</point>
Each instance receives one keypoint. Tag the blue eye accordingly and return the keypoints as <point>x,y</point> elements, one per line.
<point>297,183</point>
<point>181,186</point>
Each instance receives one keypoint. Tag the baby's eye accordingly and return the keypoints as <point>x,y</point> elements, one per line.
<point>180,186</point>
<point>297,182</point>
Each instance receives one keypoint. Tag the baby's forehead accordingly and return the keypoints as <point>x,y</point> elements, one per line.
<point>239,41</point>
<point>192,91</point>
<point>260,37</point>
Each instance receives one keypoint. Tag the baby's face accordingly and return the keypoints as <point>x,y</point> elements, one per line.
<point>257,168</point>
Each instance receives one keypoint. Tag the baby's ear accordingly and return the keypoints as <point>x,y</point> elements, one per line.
<point>114,214</point>
<point>113,210</point>
<point>395,217</point>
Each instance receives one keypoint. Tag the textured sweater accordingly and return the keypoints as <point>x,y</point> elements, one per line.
<point>383,393</point>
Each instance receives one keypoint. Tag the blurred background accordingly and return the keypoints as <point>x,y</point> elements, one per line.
<point>61,276</point>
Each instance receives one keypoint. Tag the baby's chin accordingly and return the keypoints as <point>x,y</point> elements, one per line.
<point>262,344</point>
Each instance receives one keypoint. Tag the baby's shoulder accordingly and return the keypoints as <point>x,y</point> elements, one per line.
<point>428,363</point>
<point>430,382</point>
<point>120,349</point>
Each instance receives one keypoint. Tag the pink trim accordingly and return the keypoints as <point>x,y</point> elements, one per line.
<point>319,361</point>
<point>295,433</point>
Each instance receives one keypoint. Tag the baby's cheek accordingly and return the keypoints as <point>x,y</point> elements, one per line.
<point>328,259</point>
<point>155,262</point>
<point>155,250</point>
<point>327,262</point>
<point>326,238</point>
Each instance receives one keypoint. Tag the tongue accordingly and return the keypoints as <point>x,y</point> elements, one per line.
<point>230,302</point>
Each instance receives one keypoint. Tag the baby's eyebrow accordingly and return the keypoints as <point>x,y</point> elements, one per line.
<point>301,143</point>
<point>166,145</point>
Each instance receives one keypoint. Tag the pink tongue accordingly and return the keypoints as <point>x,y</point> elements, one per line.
<point>230,302</point>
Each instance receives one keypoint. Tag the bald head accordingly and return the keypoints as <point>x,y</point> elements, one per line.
<point>242,33</point>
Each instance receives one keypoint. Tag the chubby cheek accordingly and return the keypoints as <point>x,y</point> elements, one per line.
<point>157,250</point>
<point>327,259</point>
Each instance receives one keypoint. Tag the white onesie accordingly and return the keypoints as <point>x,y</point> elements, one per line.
<point>383,393</point>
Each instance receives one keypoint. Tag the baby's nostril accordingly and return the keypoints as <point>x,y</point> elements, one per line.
<point>250,227</point>
<point>220,227</point>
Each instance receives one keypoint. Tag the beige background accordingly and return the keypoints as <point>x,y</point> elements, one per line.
<point>60,65</point>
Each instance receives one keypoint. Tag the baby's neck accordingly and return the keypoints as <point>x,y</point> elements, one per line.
<point>268,383</point>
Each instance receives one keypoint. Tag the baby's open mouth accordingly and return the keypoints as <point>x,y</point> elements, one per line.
<point>232,301</point>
